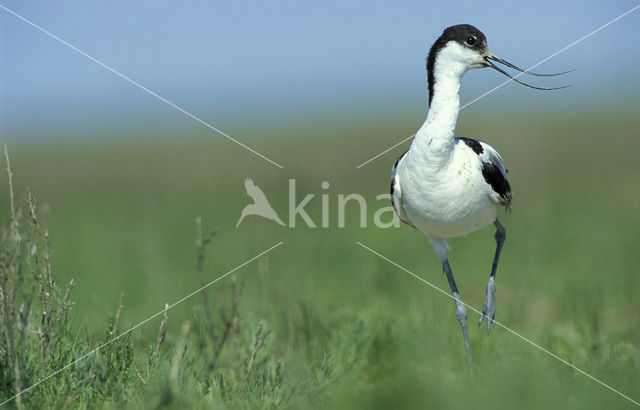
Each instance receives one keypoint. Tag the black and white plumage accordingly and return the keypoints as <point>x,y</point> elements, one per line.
<point>493,170</point>
<point>446,186</point>
<point>491,166</point>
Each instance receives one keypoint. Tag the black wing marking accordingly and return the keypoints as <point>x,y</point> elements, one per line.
<point>493,170</point>
<point>396,193</point>
<point>495,174</point>
<point>474,144</point>
<point>394,170</point>
<point>499,183</point>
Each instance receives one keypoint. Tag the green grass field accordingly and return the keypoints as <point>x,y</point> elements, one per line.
<point>347,329</point>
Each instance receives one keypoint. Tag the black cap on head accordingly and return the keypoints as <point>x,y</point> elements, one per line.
<point>465,34</point>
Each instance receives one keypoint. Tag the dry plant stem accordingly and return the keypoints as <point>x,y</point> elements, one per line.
<point>229,321</point>
<point>200,246</point>
<point>258,343</point>
<point>24,252</point>
<point>66,302</point>
<point>10,278</point>
<point>70,401</point>
<point>144,382</point>
<point>161,333</point>
<point>49,292</point>
<point>13,209</point>
<point>114,331</point>
<point>23,321</point>
<point>235,320</point>
<point>177,357</point>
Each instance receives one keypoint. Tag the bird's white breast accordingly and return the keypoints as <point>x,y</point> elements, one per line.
<point>446,199</point>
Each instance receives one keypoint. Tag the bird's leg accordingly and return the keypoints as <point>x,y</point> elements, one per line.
<point>461,310</point>
<point>489,307</point>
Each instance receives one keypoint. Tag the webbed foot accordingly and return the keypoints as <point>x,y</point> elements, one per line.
<point>489,307</point>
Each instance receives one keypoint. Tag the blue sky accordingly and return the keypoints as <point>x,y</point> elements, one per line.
<point>246,62</point>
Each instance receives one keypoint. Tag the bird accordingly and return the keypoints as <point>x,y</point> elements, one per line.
<point>448,187</point>
<point>260,205</point>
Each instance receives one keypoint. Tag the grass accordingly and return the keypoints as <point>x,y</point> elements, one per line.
<point>331,325</point>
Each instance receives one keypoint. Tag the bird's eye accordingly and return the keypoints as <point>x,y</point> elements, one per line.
<point>471,41</point>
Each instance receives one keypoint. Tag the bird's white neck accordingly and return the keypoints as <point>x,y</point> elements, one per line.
<point>434,141</point>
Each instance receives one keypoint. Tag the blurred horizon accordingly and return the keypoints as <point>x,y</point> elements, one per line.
<point>234,64</point>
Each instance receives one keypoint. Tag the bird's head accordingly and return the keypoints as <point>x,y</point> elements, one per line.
<point>459,48</point>
<point>463,47</point>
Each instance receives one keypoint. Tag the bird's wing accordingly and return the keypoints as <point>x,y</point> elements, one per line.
<point>254,191</point>
<point>495,175</point>
<point>396,193</point>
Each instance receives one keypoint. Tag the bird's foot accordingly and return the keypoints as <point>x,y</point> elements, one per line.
<point>461,313</point>
<point>489,307</point>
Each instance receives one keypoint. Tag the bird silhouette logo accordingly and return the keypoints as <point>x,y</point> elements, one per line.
<point>260,205</point>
